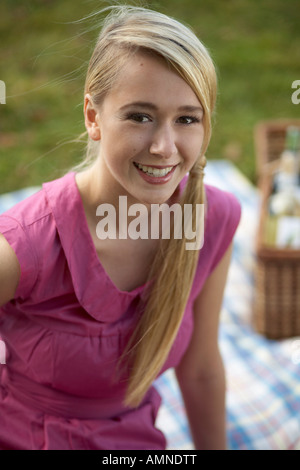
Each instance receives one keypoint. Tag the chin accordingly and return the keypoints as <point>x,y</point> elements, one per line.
<point>157,199</point>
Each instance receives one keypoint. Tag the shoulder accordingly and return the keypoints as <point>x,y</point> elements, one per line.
<point>223,213</point>
<point>222,205</point>
<point>39,205</point>
<point>222,216</point>
<point>32,210</point>
<point>29,229</point>
<point>20,229</point>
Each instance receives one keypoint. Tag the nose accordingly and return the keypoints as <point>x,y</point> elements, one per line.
<point>163,142</point>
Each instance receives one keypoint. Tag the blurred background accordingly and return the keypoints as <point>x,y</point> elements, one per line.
<point>44,52</point>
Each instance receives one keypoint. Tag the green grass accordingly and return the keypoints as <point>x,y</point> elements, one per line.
<point>43,57</point>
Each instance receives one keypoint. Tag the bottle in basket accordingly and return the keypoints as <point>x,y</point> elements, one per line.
<point>285,199</point>
<point>284,203</point>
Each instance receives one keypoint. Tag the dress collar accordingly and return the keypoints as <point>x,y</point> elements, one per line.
<point>94,290</point>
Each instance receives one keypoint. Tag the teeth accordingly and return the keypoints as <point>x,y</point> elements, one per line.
<point>158,172</point>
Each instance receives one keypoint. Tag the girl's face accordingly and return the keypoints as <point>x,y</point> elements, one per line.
<point>150,130</point>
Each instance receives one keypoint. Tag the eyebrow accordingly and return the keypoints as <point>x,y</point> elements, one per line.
<point>148,105</point>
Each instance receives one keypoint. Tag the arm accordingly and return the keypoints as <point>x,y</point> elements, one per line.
<point>9,272</point>
<point>200,373</point>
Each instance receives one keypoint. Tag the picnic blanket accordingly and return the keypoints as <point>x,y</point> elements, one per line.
<point>263,376</point>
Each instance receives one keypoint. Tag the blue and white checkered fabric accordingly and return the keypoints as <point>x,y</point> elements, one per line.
<point>263,376</point>
<point>10,199</point>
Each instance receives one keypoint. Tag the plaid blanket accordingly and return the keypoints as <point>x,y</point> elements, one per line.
<point>263,376</point>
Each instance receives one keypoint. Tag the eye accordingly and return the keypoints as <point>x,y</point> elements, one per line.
<point>138,117</point>
<point>188,120</point>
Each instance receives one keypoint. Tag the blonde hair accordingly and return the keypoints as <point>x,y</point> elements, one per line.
<point>126,30</point>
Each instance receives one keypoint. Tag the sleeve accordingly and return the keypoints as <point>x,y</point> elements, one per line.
<point>227,215</point>
<point>18,239</point>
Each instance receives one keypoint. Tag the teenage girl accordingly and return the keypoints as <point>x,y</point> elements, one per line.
<point>90,322</point>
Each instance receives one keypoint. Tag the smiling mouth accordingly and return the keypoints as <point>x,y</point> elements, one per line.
<point>154,171</point>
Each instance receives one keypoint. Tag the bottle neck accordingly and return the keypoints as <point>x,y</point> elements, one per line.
<point>292,142</point>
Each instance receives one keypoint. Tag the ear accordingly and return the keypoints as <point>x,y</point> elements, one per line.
<point>91,118</point>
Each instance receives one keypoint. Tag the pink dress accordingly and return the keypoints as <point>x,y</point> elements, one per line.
<point>68,325</point>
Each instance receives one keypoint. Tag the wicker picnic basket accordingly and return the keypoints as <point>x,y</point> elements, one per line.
<point>276,312</point>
